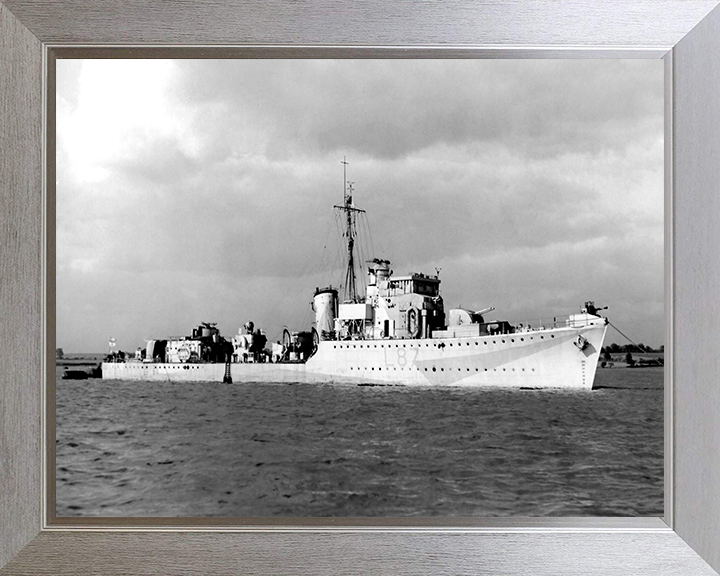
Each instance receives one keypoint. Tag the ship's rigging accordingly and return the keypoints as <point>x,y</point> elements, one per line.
<point>350,212</point>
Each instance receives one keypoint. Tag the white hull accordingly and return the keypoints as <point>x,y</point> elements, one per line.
<point>537,359</point>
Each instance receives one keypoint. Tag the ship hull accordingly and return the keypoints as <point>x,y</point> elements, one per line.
<point>538,359</point>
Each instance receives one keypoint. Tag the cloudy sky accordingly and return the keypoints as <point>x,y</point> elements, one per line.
<point>202,190</point>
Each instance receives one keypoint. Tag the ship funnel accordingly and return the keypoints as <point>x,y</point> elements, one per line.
<point>325,306</point>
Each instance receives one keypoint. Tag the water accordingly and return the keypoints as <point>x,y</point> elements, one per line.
<point>194,449</point>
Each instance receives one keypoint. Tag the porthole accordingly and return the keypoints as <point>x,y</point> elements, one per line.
<point>512,339</point>
<point>552,335</point>
<point>522,339</point>
<point>434,369</point>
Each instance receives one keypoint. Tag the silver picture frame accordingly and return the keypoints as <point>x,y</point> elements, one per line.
<point>685,33</point>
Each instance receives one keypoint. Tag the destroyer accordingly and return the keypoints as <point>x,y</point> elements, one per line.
<point>397,333</point>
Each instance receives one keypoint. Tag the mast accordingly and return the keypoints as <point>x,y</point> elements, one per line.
<point>350,232</point>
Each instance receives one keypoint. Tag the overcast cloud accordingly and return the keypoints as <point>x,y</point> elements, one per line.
<point>202,190</point>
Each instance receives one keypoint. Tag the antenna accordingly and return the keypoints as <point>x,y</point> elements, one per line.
<point>437,271</point>
<point>345,163</point>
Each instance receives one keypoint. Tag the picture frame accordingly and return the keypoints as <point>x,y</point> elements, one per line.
<point>687,541</point>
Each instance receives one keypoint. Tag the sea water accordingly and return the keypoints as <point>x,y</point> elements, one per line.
<point>298,450</point>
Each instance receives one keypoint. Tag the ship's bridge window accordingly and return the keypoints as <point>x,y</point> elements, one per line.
<point>426,288</point>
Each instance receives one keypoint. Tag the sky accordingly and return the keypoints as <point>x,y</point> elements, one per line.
<point>194,191</point>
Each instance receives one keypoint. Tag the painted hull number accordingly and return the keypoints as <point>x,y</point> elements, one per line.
<point>400,357</point>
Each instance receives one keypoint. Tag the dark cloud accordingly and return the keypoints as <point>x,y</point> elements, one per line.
<point>390,109</point>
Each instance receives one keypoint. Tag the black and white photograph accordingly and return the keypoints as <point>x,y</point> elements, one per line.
<point>359,288</point>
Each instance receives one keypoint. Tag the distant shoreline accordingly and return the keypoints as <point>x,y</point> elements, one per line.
<point>78,362</point>
<point>80,359</point>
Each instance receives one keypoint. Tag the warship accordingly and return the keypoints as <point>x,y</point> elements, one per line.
<point>397,333</point>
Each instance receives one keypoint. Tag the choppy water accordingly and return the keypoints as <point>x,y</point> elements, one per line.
<point>193,449</point>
